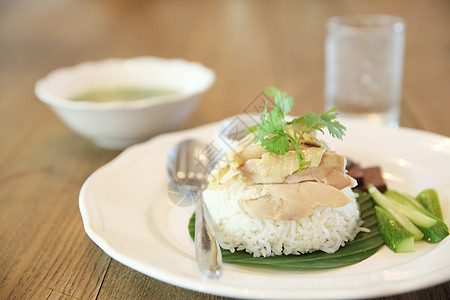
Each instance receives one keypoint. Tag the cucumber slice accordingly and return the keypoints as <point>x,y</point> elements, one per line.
<point>396,237</point>
<point>393,208</point>
<point>435,233</point>
<point>403,197</point>
<point>434,229</point>
<point>430,200</point>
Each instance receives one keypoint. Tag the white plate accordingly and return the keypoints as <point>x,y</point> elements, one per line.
<point>127,212</point>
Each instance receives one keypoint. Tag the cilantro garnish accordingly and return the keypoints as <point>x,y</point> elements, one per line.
<point>274,133</point>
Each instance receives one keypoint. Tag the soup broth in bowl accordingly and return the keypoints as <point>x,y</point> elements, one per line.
<point>122,94</point>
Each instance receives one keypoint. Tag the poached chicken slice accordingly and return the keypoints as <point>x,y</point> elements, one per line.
<point>325,167</point>
<point>286,202</point>
<point>331,171</point>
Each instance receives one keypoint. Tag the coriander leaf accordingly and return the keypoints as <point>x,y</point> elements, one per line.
<point>274,122</point>
<point>312,120</point>
<point>271,91</point>
<point>278,144</point>
<point>332,113</point>
<point>336,129</point>
<point>277,98</point>
<point>261,134</point>
<point>284,103</point>
<point>262,118</point>
<point>252,129</point>
<point>263,115</point>
<point>297,121</point>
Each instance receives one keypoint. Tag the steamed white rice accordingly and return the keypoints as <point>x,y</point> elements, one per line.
<point>325,229</point>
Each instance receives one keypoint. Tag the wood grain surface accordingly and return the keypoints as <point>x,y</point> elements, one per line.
<point>44,251</point>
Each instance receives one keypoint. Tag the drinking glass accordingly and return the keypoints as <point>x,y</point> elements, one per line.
<point>364,67</point>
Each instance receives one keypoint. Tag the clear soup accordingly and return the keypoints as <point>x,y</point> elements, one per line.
<point>122,94</point>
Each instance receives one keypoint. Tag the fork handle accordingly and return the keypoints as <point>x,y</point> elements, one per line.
<point>207,250</point>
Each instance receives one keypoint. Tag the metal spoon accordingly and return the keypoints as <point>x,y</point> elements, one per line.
<point>188,172</point>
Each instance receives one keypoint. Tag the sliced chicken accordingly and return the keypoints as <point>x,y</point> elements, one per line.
<point>328,167</point>
<point>325,175</point>
<point>286,202</point>
<point>333,160</point>
<point>273,168</point>
<point>309,139</point>
<point>331,171</point>
<point>246,149</point>
<point>254,151</point>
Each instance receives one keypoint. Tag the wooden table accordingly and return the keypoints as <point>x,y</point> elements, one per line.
<point>44,251</point>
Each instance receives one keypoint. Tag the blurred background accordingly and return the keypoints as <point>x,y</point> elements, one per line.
<point>250,44</point>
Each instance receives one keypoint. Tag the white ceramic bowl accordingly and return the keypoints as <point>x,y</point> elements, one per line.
<point>118,124</point>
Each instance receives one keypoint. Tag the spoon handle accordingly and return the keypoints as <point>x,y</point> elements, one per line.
<point>207,250</point>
